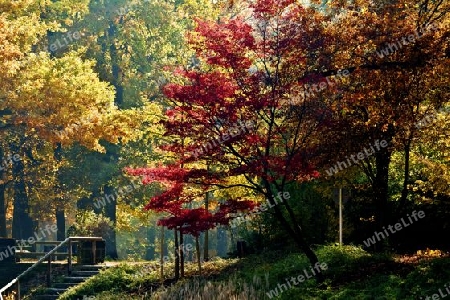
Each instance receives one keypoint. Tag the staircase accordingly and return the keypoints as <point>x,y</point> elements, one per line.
<point>79,275</point>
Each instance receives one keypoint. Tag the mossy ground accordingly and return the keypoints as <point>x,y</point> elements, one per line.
<point>352,274</point>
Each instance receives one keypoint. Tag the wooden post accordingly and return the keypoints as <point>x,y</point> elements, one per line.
<point>69,262</point>
<point>49,271</point>
<point>94,249</point>
<point>78,242</point>
<point>18,290</point>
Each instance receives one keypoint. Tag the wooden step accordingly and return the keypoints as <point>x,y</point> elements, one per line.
<point>90,267</point>
<point>65,285</point>
<point>73,279</point>
<point>79,275</point>
<point>84,273</point>
<point>45,297</point>
<point>55,291</point>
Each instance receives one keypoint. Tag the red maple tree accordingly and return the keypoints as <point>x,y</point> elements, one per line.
<point>177,202</point>
<point>176,199</point>
<point>243,112</point>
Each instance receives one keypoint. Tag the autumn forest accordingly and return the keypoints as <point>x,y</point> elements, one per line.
<point>218,149</point>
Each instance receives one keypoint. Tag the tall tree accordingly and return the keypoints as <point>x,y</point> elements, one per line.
<point>234,108</point>
<point>399,72</point>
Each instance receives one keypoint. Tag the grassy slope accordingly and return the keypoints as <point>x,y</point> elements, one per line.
<point>352,274</point>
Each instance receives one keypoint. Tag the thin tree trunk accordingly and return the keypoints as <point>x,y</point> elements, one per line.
<point>110,212</point>
<point>61,224</point>
<point>112,151</point>
<point>23,225</point>
<point>294,230</point>
<point>404,196</point>
<point>206,237</point>
<point>3,232</point>
<point>150,253</point>
<point>222,242</point>
<point>182,253</point>
<point>197,249</point>
<point>381,187</point>
<point>60,211</point>
<point>161,249</point>
<point>177,255</point>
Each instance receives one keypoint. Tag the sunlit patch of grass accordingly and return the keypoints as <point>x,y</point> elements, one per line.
<point>352,274</point>
<point>233,288</point>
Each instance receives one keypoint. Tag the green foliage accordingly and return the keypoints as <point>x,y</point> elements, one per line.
<point>352,274</point>
<point>312,208</point>
<point>116,279</point>
<point>124,278</point>
<point>88,223</point>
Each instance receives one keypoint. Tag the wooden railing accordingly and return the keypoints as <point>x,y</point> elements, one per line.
<point>48,257</point>
<point>24,253</point>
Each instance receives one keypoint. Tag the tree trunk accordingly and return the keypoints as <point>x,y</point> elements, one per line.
<point>22,225</point>
<point>293,229</point>
<point>177,255</point>
<point>206,237</point>
<point>112,151</point>
<point>222,242</point>
<point>60,211</point>
<point>161,249</point>
<point>150,253</point>
<point>404,196</point>
<point>3,232</point>
<point>381,187</point>
<point>182,254</point>
<point>61,224</point>
<point>197,250</point>
<point>189,240</point>
<point>110,212</point>
<point>115,62</point>
<point>312,257</point>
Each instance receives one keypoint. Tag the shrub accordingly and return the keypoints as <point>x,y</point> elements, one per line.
<point>88,223</point>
